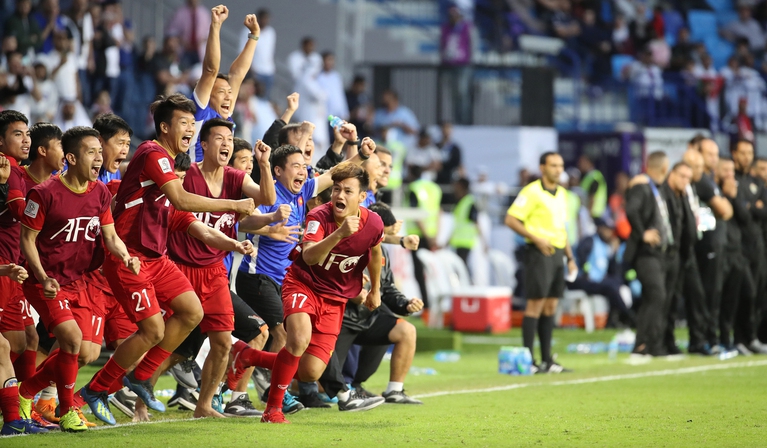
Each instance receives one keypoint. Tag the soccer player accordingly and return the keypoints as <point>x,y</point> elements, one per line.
<point>114,135</point>
<point>15,144</point>
<point>142,210</point>
<point>203,266</point>
<point>67,242</point>
<point>340,240</point>
<point>216,93</point>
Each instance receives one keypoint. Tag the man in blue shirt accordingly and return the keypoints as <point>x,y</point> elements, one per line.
<point>115,142</point>
<point>400,121</point>
<point>215,93</point>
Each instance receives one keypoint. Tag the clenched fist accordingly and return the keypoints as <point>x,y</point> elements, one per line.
<point>367,147</point>
<point>133,264</point>
<point>282,213</point>
<point>219,14</point>
<point>350,226</point>
<point>262,151</point>
<point>244,207</point>
<point>251,23</point>
<point>244,247</point>
<point>293,101</point>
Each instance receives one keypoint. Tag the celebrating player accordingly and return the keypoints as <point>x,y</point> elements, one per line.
<point>340,240</point>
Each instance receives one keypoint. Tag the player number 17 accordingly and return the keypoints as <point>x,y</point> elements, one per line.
<point>137,296</point>
<point>297,296</point>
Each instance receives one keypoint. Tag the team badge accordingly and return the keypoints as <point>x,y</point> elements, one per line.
<point>32,209</point>
<point>165,165</point>
<point>300,201</point>
<point>312,228</point>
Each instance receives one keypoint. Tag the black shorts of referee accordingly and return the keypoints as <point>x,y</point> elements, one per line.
<point>544,276</point>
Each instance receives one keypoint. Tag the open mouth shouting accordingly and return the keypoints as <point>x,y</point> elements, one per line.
<point>95,169</point>
<point>226,109</point>
<point>186,141</point>
<point>25,150</point>
<point>223,155</point>
<point>339,207</point>
<point>116,163</point>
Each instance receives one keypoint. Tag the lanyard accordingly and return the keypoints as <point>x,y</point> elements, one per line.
<point>663,213</point>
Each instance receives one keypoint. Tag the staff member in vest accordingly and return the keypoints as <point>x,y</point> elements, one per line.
<point>538,214</point>
<point>594,185</point>
<point>425,195</point>
<point>599,273</point>
<point>465,228</point>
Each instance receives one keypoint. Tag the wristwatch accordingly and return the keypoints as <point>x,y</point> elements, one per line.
<point>252,36</point>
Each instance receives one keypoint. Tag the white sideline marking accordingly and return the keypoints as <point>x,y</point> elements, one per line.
<point>600,379</point>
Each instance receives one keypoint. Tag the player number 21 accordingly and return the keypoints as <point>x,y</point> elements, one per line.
<point>138,297</point>
<point>297,296</point>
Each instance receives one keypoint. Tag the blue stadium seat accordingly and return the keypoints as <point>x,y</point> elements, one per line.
<point>702,24</point>
<point>673,22</point>
<point>719,49</point>
<point>618,62</point>
<point>721,5</point>
<point>725,17</point>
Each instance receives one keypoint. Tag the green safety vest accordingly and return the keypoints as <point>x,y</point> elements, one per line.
<point>464,230</point>
<point>398,161</point>
<point>429,197</point>
<point>600,198</point>
<point>573,205</point>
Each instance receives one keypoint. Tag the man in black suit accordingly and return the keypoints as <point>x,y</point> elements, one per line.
<point>651,251</point>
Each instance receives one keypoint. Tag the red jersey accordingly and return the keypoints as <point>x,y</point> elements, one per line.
<point>69,224</point>
<point>141,208</point>
<point>10,232</point>
<point>340,274</point>
<point>183,248</point>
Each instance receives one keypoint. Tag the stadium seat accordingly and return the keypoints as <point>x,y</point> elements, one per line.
<point>702,24</point>
<point>720,6</point>
<point>673,22</point>
<point>437,287</point>
<point>502,267</point>
<point>725,17</point>
<point>587,305</point>
<point>719,49</point>
<point>455,268</point>
<point>618,62</point>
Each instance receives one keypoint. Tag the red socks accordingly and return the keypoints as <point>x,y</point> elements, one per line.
<point>9,403</point>
<point>45,375</point>
<point>251,357</point>
<point>151,362</point>
<point>285,367</point>
<point>117,385</point>
<point>66,376</point>
<point>24,365</point>
<point>105,377</point>
<point>14,356</point>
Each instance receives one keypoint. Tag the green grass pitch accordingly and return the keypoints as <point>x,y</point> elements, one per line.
<point>691,402</point>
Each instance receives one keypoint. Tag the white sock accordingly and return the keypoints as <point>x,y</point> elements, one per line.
<point>48,393</point>
<point>394,387</point>
<point>343,395</point>
<point>236,395</point>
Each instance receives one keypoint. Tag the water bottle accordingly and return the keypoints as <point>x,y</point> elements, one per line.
<point>335,122</point>
<point>612,349</point>
<point>447,356</point>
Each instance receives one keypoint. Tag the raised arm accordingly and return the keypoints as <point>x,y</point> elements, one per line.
<point>211,63</point>
<point>262,194</point>
<point>188,202</point>
<point>241,65</point>
<point>367,147</point>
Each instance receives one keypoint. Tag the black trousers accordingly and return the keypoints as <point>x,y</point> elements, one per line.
<point>464,254</point>
<point>736,276</point>
<point>658,275</point>
<point>609,287</point>
<point>752,292</point>
<point>695,306</point>
<point>711,267</point>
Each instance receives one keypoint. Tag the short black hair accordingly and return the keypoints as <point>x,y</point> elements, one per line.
<point>384,211</point>
<point>464,183</point>
<point>382,150</point>
<point>545,156</point>
<point>306,39</point>
<point>681,164</point>
<point>8,117</point>
<point>214,123</point>
<point>281,154</point>
<point>240,144</point>
<point>696,140</point>
<point>223,76</point>
<point>358,79</point>
<point>41,135</point>
<point>182,162</point>
<point>327,53</point>
<point>110,125</point>
<point>262,12</point>
<point>164,107</point>
<point>348,170</point>
<point>282,136</point>
<point>71,140</point>
<point>734,146</point>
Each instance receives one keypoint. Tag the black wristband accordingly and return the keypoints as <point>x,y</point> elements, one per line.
<point>353,143</point>
<point>402,242</point>
<point>362,156</point>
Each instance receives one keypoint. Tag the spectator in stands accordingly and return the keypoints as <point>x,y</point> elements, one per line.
<point>263,67</point>
<point>81,27</point>
<point>711,85</point>
<point>20,85</point>
<point>49,19</point>
<point>639,26</point>
<point>333,84</point>
<point>102,105</point>
<point>70,114</point>
<point>106,54</point>
<point>9,45</point>
<point>745,27</point>
<point>358,101</point>
<point>742,128</point>
<point>170,72</point>
<point>399,120</point>
<point>595,45</point>
<point>44,107</point>
<point>62,64</point>
<point>425,156</point>
<point>683,50</point>
<point>563,25</point>
<point>456,53</point>
<point>304,59</point>
<point>661,51</point>
<point>313,97</point>
<point>647,80</point>
<point>621,36</point>
<point>452,166</point>
<point>190,23</point>
<point>25,28</point>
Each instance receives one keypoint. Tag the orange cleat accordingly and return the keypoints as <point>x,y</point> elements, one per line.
<point>82,417</point>
<point>47,409</point>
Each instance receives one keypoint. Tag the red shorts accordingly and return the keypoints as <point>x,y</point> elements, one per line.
<point>71,303</point>
<point>211,284</point>
<point>326,312</point>
<point>117,326</point>
<point>159,280</point>
<point>14,308</point>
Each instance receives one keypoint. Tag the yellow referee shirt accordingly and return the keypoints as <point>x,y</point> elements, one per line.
<point>543,214</point>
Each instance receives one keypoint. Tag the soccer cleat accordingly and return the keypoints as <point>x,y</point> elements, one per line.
<point>261,379</point>
<point>85,420</point>
<point>217,403</point>
<point>357,403</point>
<point>400,397</point>
<point>22,426</point>
<point>235,371</point>
<point>312,400</point>
<point>362,392</point>
<point>242,407</point>
<point>145,391</point>
<point>326,399</point>
<point>743,350</point>
<point>25,407</point>
<point>125,401</point>
<point>71,422</point>
<point>273,415</point>
<point>290,405</point>
<point>703,350</point>
<point>99,404</point>
<point>47,409</point>
<point>757,347</point>
<point>183,373</point>
<point>184,399</point>
<point>40,422</point>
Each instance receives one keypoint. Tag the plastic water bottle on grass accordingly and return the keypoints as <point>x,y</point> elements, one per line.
<point>612,348</point>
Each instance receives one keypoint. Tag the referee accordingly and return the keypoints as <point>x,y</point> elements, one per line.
<point>538,214</point>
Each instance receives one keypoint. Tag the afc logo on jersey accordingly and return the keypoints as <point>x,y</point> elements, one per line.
<point>89,227</point>
<point>32,209</point>
<point>222,222</point>
<point>345,263</point>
